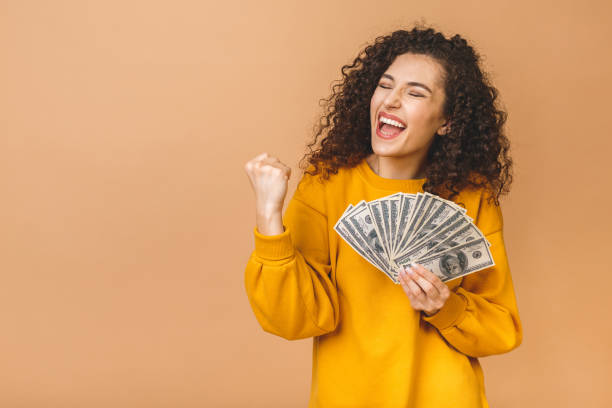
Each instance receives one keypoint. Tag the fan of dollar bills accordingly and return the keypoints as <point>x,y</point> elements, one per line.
<point>394,231</point>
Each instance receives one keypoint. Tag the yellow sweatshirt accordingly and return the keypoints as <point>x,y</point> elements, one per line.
<point>370,347</point>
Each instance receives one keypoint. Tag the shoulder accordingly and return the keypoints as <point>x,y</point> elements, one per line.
<point>318,191</point>
<point>481,207</point>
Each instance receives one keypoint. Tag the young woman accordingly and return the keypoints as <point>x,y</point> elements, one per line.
<point>377,344</point>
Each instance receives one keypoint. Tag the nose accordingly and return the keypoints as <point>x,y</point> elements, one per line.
<point>393,99</point>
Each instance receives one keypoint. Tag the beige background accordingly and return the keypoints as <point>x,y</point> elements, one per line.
<point>127,216</point>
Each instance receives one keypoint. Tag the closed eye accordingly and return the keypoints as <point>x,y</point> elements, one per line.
<point>412,94</point>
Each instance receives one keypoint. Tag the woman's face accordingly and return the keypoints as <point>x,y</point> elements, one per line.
<point>410,92</point>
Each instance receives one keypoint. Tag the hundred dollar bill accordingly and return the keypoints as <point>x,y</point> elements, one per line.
<point>445,215</point>
<point>362,223</point>
<point>415,210</point>
<point>467,233</point>
<point>384,206</point>
<point>378,217</point>
<point>459,261</point>
<point>351,237</point>
<point>419,211</point>
<point>432,240</point>
<point>427,245</point>
<point>407,202</point>
<point>365,241</point>
<point>394,201</point>
<point>432,206</point>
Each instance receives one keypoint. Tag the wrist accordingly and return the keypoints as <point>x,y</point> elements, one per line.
<point>270,224</point>
<point>430,313</point>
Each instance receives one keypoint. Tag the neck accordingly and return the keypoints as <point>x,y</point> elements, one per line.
<point>400,168</point>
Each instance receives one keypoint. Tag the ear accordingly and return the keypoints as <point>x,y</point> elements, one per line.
<point>445,128</point>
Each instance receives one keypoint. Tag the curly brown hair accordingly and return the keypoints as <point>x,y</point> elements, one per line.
<point>474,153</point>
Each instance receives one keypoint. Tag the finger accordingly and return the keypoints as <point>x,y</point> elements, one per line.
<point>284,170</point>
<point>263,159</point>
<point>280,165</point>
<point>411,286</point>
<point>284,167</point>
<point>251,163</point>
<point>402,278</point>
<point>416,291</point>
<point>277,161</point>
<point>432,278</point>
<point>428,287</point>
<point>254,162</point>
<point>268,160</point>
<point>404,281</point>
<point>271,163</point>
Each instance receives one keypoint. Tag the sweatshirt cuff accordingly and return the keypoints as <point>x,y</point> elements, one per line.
<point>449,314</point>
<point>274,247</point>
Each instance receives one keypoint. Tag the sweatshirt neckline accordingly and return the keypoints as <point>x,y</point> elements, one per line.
<point>386,183</point>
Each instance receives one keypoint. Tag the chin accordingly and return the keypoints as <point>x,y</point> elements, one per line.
<point>390,149</point>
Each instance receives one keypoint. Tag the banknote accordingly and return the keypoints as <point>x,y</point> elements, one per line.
<point>393,231</point>
<point>354,239</point>
<point>359,222</point>
<point>407,204</point>
<point>459,261</point>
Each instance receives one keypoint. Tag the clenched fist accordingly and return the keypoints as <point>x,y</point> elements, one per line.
<point>269,178</point>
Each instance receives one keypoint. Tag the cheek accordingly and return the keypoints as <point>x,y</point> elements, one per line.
<point>419,113</point>
<point>374,102</point>
<point>422,125</point>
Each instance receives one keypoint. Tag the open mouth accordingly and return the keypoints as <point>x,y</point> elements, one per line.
<point>388,128</point>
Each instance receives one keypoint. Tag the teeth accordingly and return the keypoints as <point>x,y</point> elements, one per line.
<point>391,122</point>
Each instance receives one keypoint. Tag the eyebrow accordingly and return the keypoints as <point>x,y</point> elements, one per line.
<point>411,83</point>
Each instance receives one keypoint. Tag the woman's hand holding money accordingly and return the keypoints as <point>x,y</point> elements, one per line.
<point>269,178</point>
<point>424,289</point>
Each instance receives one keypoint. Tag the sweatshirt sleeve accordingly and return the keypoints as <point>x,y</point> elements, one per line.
<point>287,277</point>
<point>480,317</point>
